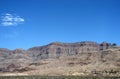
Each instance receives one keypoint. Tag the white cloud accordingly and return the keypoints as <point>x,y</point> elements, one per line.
<point>11,20</point>
<point>7,24</point>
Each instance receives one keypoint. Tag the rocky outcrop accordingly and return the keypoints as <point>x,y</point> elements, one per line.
<point>56,54</point>
<point>57,49</point>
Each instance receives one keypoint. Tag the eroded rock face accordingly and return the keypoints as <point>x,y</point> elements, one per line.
<point>79,53</point>
<point>56,49</point>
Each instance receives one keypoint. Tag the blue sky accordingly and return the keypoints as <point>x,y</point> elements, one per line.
<point>28,23</point>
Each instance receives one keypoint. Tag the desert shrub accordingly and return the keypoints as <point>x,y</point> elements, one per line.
<point>55,77</point>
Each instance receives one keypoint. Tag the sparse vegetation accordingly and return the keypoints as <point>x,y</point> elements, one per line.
<point>55,77</point>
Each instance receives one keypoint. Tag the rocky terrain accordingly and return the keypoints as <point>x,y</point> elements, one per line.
<point>80,58</point>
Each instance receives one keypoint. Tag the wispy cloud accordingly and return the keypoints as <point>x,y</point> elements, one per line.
<point>11,20</point>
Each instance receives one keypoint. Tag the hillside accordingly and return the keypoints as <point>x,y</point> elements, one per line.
<point>57,58</point>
